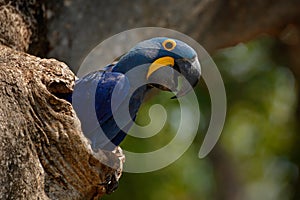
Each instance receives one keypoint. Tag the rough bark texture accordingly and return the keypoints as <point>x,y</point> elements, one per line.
<point>43,152</point>
<point>23,27</point>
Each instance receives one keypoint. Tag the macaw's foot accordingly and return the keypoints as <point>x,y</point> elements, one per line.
<point>111,184</point>
<point>112,166</point>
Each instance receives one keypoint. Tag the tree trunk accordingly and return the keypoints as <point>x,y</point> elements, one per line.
<point>43,152</point>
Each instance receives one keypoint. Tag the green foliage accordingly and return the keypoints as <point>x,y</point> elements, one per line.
<point>256,142</point>
<point>260,126</point>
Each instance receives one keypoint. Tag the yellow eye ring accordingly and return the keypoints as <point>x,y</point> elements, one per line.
<point>169,44</point>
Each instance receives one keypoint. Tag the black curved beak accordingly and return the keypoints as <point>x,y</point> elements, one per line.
<point>164,79</point>
<point>191,71</point>
<point>167,77</point>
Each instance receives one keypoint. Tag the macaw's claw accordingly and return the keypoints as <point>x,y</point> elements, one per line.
<point>110,184</point>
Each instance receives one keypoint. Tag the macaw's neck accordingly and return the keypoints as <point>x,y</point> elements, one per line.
<point>135,69</point>
<point>137,92</point>
<point>133,60</point>
<point>135,66</point>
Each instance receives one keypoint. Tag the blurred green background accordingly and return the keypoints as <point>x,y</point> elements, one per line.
<point>255,157</point>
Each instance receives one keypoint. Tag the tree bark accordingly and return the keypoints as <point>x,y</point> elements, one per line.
<point>43,152</point>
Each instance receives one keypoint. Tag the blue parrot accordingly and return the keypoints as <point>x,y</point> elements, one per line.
<point>156,61</point>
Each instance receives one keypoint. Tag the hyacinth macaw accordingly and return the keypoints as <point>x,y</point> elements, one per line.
<point>92,95</point>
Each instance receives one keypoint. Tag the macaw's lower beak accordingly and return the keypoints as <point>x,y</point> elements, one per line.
<point>163,79</point>
<point>166,78</point>
<point>191,71</point>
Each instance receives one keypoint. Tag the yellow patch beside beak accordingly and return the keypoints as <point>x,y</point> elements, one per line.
<point>160,62</point>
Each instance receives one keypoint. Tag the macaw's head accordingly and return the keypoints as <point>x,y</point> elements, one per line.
<point>164,61</point>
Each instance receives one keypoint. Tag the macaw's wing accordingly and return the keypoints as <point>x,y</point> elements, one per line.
<point>92,102</point>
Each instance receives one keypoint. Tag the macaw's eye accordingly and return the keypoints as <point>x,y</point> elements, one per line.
<point>169,44</point>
